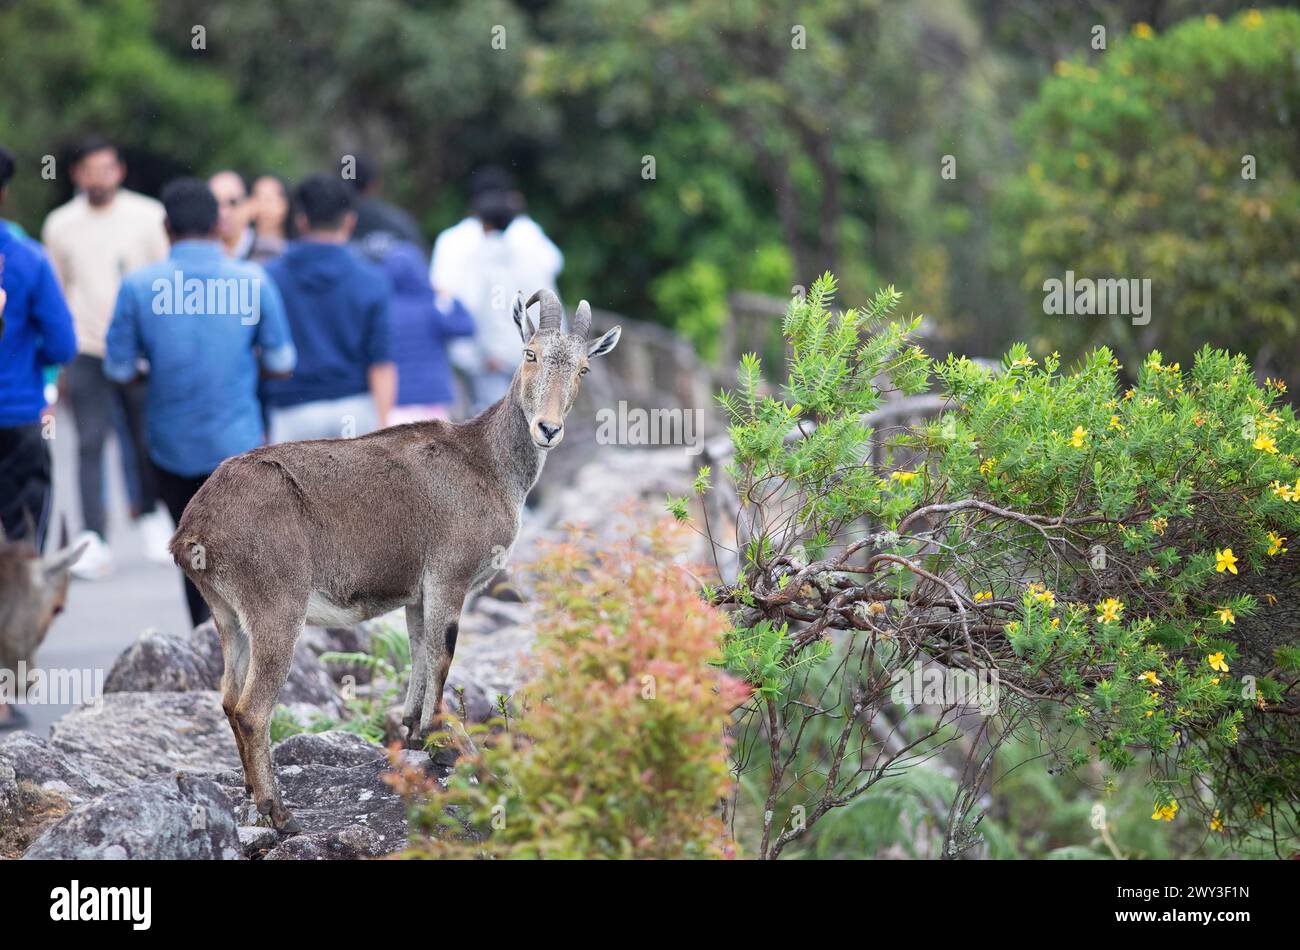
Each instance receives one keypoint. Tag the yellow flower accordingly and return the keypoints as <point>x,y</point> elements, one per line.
<point>1056,622</point>
<point>1253,19</point>
<point>1284,491</point>
<point>1275,544</point>
<point>1217,663</point>
<point>1116,424</point>
<point>903,477</point>
<point>1150,713</point>
<point>1110,609</point>
<point>986,466</point>
<point>1265,443</point>
<point>1226,616</point>
<point>1025,361</point>
<point>1225,560</point>
<point>1143,31</point>
<point>983,595</point>
<point>1158,525</point>
<point>1277,384</point>
<point>1042,594</point>
<point>1077,437</point>
<point>1165,812</point>
<point>1216,823</point>
<point>1214,680</point>
<point>1151,678</point>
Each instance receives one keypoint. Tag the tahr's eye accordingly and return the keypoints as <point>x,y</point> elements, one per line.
<point>530,356</point>
<point>583,371</point>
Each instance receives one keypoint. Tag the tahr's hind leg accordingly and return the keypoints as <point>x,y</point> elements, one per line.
<point>235,655</point>
<point>273,634</point>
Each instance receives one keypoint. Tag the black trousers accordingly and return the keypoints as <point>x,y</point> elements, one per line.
<point>24,483</point>
<point>176,492</point>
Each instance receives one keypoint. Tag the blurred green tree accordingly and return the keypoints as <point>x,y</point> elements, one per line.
<point>1171,158</point>
<point>73,67</point>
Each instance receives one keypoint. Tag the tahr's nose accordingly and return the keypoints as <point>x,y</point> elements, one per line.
<point>549,430</point>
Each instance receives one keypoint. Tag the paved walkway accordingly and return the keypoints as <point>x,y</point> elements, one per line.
<point>103,617</point>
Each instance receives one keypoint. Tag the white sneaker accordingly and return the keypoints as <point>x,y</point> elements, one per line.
<point>156,529</point>
<point>96,562</point>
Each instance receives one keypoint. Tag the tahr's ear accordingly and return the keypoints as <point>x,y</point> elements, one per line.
<point>605,343</point>
<point>61,561</point>
<point>520,312</point>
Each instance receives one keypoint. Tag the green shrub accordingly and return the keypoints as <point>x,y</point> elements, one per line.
<point>1116,558</point>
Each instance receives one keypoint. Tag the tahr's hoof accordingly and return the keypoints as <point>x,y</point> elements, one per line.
<point>282,819</point>
<point>411,727</point>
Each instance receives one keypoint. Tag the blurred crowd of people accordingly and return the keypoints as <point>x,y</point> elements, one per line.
<point>227,314</point>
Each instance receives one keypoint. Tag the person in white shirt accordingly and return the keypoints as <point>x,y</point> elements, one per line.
<point>483,261</point>
<point>95,239</point>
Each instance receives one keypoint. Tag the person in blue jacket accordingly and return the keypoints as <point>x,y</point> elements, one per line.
<point>36,331</point>
<point>421,322</point>
<point>345,383</point>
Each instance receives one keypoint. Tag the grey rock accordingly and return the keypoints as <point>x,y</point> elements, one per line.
<point>467,697</point>
<point>336,639</point>
<point>255,839</point>
<point>503,612</point>
<point>173,662</point>
<point>40,762</point>
<point>175,817</point>
<point>336,748</point>
<point>333,782</point>
<point>321,640</point>
<point>39,784</point>
<point>129,737</point>
<point>168,662</point>
<point>351,843</point>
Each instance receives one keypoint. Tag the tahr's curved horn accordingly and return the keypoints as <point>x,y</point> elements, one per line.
<point>552,311</point>
<point>581,321</point>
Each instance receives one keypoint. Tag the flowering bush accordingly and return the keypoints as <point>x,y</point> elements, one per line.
<point>620,750</point>
<point>1114,558</point>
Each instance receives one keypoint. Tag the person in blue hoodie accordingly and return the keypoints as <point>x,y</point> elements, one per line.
<point>36,331</point>
<point>337,303</point>
<point>421,323</point>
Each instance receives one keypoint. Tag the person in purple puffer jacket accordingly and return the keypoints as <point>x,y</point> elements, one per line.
<point>421,323</point>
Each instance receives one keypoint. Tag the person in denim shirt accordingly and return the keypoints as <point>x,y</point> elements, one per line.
<point>205,324</point>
